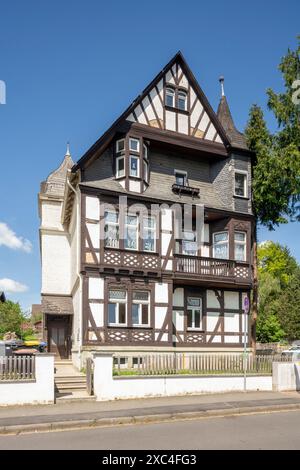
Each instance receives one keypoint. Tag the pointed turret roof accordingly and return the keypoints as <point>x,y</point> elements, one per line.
<point>236,138</point>
<point>55,183</point>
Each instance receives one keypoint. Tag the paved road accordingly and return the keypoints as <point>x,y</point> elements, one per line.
<point>265,431</point>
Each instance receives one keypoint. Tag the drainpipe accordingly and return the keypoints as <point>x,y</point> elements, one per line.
<point>79,276</point>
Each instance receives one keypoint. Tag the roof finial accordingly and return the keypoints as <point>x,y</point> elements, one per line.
<point>68,154</point>
<point>221,80</point>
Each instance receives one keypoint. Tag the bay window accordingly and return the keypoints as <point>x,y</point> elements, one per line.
<point>120,145</point>
<point>134,166</point>
<point>117,307</point>
<point>120,167</point>
<point>194,313</point>
<point>220,245</point>
<point>140,308</point>
<point>134,145</point>
<point>240,246</point>
<point>111,229</point>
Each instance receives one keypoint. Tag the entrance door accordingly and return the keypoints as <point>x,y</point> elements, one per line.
<point>59,336</point>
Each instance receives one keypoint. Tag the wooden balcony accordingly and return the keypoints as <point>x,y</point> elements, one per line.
<point>212,269</point>
<point>129,261</point>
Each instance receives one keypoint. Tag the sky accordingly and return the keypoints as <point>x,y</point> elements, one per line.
<point>72,67</point>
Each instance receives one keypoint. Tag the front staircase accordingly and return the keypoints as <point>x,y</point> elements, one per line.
<point>70,384</point>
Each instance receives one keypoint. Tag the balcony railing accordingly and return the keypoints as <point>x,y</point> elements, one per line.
<point>211,267</point>
<point>130,260</point>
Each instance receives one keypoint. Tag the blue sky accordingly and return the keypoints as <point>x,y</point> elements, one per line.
<point>72,67</point>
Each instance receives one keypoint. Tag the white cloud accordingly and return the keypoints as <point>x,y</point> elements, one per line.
<point>9,239</point>
<point>9,285</point>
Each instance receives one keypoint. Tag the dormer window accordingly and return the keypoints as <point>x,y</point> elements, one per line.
<point>170,97</point>
<point>120,145</point>
<point>181,178</point>
<point>134,145</point>
<point>134,166</point>
<point>120,167</point>
<point>182,100</point>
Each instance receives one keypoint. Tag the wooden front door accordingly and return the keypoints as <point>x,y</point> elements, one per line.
<point>59,340</point>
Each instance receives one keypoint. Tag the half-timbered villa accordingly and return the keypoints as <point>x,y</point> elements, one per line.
<point>119,269</point>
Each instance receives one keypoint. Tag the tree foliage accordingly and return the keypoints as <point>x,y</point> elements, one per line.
<point>11,318</point>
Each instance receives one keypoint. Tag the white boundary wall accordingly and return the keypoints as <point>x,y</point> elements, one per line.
<point>107,387</point>
<point>38,391</point>
<point>286,376</point>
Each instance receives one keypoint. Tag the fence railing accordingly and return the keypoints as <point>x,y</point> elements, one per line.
<point>17,368</point>
<point>202,364</point>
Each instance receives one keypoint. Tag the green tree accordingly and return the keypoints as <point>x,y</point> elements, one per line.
<point>277,261</point>
<point>11,317</point>
<point>269,329</point>
<point>289,308</point>
<point>276,172</point>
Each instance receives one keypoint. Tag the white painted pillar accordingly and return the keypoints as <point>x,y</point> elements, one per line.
<point>103,375</point>
<point>44,373</point>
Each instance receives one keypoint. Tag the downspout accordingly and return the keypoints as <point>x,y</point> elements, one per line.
<point>79,276</point>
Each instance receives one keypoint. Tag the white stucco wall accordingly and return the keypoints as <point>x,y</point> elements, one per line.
<point>107,387</point>
<point>40,391</point>
<point>56,263</point>
<point>51,214</point>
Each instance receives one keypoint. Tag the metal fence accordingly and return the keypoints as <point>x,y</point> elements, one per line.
<point>17,368</point>
<point>202,364</point>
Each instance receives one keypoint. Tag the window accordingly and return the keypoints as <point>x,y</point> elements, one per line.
<point>117,307</point>
<point>145,151</point>
<point>240,246</point>
<point>140,308</point>
<point>134,145</point>
<point>170,97</point>
<point>131,232</point>
<point>240,184</point>
<point>182,99</point>
<point>194,313</point>
<point>146,175</point>
<point>220,245</point>
<point>149,233</point>
<point>120,167</point>
<point>189,244</point>
<point>134,166</point>
<point>111,229</point>
<point>120,145</point>
<point>181,178</point>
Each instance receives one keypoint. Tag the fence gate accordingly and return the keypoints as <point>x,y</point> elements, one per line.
<point>90,376</point>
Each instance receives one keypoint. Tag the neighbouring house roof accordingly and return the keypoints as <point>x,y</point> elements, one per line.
<point>57,305</point>
<point>2,296</point>
<point>236,138</point>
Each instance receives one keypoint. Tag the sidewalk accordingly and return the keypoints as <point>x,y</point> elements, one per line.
<point>86,414</point>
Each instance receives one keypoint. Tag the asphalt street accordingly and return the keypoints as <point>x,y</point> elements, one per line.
<point>280,430</point>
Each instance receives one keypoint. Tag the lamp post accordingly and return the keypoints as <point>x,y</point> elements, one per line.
<point>246,305</point>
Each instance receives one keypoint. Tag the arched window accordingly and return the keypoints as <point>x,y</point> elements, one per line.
<point>170,97</point>
<point>182,98</point>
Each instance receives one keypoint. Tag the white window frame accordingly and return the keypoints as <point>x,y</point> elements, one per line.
<point>145,152</point>
<point>168,90</point>
<point>118,174</point>
<point>146,170</point>
<point>118,150</point>
<point>220,243</point>
<point>239,242</point>
<point>138,144</point>
<point>140,303</point>
<point>138,166</point>
<point>185,100</point>
<point>117,302</point>
<point>192,309</point>
<point>136,230</point>
<point>114,224</point>
<point>182,173</point>
<point>244,173</point>
<point>151,229</point>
